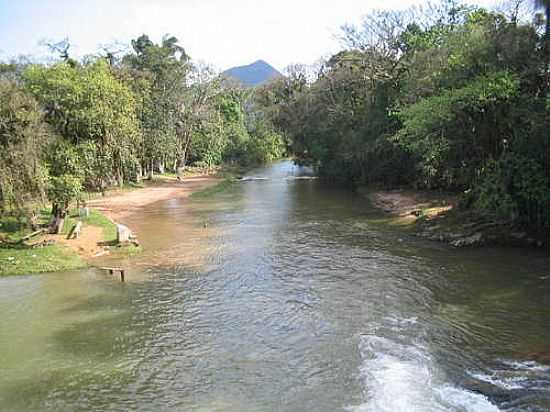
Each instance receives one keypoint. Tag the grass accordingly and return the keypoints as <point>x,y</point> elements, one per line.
<point>12,229</point>
<point>95,219</point>
<point>24,260</point>
<point>100,220</point>
<point>220,187</point>
<point>19,259</point>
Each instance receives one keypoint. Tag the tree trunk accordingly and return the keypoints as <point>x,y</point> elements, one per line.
<point>120,178</point>
<point>151,171</point>
<point>33,221</point>
<point>183,158</point>
<point>58,218</point>
<point>160,167</point>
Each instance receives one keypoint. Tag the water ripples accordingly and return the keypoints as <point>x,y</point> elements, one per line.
<point>290,299</point>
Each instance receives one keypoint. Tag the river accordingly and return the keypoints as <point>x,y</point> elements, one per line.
<point>281,293</point>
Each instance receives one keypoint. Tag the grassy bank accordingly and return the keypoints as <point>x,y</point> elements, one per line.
<point>229,173</point>
<point>220,187</point>
<point>23,260</point>
<point>19,257</point>
<point>36,255</point>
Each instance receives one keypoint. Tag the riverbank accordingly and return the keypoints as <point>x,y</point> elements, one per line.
<point>120,206</point>
<point>47,252</point>
<point>435,216</point>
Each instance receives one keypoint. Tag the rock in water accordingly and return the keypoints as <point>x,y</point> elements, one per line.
<point>123,233</point>
<point>469,241</point>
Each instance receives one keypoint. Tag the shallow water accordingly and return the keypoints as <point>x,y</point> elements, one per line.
<point>282,293</point>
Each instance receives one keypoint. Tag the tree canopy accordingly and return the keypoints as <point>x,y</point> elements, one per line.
<point>452,97</point>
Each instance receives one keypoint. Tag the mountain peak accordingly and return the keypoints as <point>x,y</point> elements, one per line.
<point>253,74</point>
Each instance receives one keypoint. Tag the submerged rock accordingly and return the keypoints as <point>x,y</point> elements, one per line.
<point>474,240</point>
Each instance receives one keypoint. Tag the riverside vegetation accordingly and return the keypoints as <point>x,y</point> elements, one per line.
<point>77,127</point>
<point>449,97</point>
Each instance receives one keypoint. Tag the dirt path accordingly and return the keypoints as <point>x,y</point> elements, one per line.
<point>117,207</point>
<point>88,245</point>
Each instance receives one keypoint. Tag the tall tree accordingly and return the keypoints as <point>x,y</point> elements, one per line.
<point>23,137</point>
<point>162,70</point>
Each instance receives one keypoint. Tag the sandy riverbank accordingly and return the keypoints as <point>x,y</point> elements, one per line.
<point>409,205</point>
<point>120,206</point>
<point>90,243</point>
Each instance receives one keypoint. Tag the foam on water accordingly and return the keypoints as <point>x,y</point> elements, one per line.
<point>516,375</point>
<point>508,383</point>
<point>399,377</point>
<point>252,178</point>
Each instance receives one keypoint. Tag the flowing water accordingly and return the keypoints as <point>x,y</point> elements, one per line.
<point>281,293</point>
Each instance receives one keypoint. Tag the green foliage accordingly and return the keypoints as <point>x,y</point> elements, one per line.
<point>264,145</point>
<point>453,133</point>
<point>220,187</point>
<point>88,105</point>
<point>157,74</point>
<point>66,175</point>
<point>21,259</point>
<point>100,220</point>
<point>23,137</point>
<point>515,187</point>
<point>74,126</point>
<point>454,98</point>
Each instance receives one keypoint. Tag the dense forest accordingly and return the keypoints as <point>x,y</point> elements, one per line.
<point>450,97</point>
<point>77,126</point>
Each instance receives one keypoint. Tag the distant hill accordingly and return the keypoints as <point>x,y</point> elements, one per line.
<point>253,74</point>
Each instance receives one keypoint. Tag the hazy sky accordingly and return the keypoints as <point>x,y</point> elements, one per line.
<point>222,32</point>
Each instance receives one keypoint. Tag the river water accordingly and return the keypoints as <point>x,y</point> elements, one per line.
<point>281,293</point>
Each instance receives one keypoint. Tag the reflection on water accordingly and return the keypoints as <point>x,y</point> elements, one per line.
<point>281,293</point>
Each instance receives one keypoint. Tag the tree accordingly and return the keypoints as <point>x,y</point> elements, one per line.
<point>196,113</point>
<point>161,71</point>
<point>88,104</point>
<point>23,136</point>
<point>65,181</point>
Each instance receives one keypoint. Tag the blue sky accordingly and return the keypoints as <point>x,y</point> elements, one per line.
<point>224,33</point>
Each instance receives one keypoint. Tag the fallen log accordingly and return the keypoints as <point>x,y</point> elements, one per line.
<point>31,235</point>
